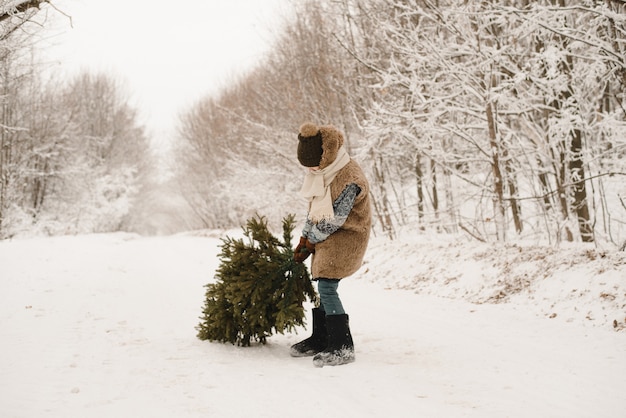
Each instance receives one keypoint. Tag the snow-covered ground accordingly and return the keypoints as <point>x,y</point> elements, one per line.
<point>104,326</point>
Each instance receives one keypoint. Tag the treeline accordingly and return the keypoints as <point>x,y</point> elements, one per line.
<point>72,153</point>
<point>497,119</point>
<point>494,119</point>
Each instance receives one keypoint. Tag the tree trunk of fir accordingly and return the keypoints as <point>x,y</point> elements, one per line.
<point>562,193</point>
<point>382,206</point>
<point>545,187</point>
<point>450,206</point>
<point>577,173</point>
<point>498,181</point>
<point>419,177</point>
<point>516,210</point>
<point>575,164</point>
<point>435,196</point>
<point>5,149</point>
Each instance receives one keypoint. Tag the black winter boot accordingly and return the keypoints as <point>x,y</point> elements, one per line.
<point>317,341</point>
<point>340,349</point>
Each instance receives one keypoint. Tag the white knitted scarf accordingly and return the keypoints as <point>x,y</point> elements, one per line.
<point>316,187</point>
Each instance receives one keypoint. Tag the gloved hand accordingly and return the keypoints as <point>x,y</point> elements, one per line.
<point>301,252</point>
<point>310,246</point>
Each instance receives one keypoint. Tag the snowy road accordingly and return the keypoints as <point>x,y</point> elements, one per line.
<point>103,326</point>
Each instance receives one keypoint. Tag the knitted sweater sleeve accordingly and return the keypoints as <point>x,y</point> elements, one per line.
<point>318,232</point>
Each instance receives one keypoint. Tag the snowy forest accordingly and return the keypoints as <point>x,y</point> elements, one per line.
<point>497,120</point>
<point>72,155</point>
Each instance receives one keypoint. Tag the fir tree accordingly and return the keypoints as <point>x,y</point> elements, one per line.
<point>258,288</point>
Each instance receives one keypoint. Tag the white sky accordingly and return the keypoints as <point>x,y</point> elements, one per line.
<point>168,53</point>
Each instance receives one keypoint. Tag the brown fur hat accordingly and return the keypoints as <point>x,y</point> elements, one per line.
<point>332,140</point>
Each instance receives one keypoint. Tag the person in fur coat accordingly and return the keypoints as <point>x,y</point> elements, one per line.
<point>335,235</point>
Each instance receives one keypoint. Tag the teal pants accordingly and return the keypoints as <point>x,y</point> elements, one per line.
<point>329,298</point>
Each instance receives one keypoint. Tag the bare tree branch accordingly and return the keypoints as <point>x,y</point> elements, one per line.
<point>21,7</point>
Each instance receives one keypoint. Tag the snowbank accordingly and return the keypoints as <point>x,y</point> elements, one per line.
<point>575,283</point>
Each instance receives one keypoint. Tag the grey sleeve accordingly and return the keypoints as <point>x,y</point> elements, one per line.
<point>341,207</point>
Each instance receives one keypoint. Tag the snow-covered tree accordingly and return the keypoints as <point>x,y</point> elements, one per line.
<point>493,118</point>
<point>487,91</point>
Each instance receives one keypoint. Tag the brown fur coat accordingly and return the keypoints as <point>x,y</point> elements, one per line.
<point>341,254</point>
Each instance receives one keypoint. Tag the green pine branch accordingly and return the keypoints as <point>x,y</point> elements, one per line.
<point>258,290</point>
